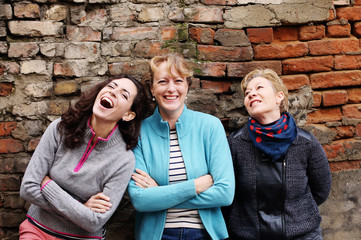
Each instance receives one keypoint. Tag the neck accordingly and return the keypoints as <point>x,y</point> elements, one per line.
<point>267,118</point>
<point>171,117</point>
<point>101,128</point>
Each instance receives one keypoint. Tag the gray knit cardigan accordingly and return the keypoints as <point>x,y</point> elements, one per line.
<point>76,175</point>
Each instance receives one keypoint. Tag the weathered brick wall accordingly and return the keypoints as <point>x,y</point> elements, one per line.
<point>51,50</point>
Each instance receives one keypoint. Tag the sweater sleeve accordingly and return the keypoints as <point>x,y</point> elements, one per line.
<point>221,168</point>
<point>318,172</point>
<point>39,167</point>
<point>161,197</point>
<point>81,215</point>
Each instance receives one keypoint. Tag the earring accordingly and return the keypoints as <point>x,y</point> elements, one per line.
<point>186,97</point>
<point>153,99</point>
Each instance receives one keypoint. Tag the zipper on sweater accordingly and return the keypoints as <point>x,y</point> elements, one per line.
<point>284,196</point>
<point>86,154</point>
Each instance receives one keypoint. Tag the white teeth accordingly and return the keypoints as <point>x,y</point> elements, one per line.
<point>170,98</point>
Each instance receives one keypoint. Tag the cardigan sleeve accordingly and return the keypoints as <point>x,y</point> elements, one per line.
<point>220,168</point>
<point>81,215</point>
<point>39,167</point>
<point>161,197</point>
<point>318,172</point>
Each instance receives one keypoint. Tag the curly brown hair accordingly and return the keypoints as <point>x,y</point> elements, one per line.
<point>73,122</point>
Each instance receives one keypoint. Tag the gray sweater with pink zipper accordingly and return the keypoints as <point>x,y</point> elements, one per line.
<point>77,174</point>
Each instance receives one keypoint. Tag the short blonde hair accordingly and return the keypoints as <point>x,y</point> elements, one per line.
<point>275,80</point>
<point>175,64</point>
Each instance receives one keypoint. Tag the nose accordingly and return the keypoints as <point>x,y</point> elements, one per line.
<point>171,86</point>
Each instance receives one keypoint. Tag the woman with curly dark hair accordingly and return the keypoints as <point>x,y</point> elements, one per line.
<point>82,165</point>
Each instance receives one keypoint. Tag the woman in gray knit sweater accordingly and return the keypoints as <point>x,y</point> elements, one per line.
<point>282,172</point>
<point>83,163</point>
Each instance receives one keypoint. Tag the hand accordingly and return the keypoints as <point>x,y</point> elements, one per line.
<point>203,183</point>
<point>45,180</point>
<point>143,180</point>
<point>98,203</point>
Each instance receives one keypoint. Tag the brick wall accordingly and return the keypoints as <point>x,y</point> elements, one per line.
<point>51,50</point>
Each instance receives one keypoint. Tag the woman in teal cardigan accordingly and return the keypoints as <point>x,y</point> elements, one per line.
<point>184,170</point>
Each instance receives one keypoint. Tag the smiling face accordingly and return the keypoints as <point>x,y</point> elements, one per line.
<point>261,100</point>
<point>114,102</point>
<point>170,91</point>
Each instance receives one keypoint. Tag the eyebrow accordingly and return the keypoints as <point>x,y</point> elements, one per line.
<point>125,90</point>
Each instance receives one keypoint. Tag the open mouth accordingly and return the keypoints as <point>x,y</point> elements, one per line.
<point>252,103</point>
<point>106,102</point>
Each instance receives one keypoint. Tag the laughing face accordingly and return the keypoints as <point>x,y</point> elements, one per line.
<point>114,101</point>
<point>262,101</point>
<point>170,91</point>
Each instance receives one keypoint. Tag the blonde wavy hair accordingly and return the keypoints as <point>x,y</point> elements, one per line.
<point>275,80</point>
<point>176,64</point>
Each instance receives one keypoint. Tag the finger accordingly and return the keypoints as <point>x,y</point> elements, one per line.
<point>142,173</point>
<point>98,210</point>
<point>102,196</point>
<point>139,179</point>
<point>139,185</point>
<point>103,203</point>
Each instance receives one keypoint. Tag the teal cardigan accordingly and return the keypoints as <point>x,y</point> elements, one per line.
<point>205,150</point>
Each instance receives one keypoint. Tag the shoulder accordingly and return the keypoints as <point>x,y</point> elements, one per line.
<point>203,118</point>
<point>238,133</point>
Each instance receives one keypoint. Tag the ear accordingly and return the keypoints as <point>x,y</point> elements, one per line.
<point>128,116</point>
<point>279,97</point>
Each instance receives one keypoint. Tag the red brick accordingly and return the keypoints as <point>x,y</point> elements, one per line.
<point>334,97</point>
<point>286,33</point>
<point>357,3</point>
<point>10,145</point>
<point>241,69</point>
<point>169,33</point>
<point>354,95</point>
<point>313,32</point>
<point>9,183</point>
<point>307,64</point>
<point>294,82</point>
<point>335,79</point>
<point>343,62</point>
<point>147,49</point>
<point>138,67</point>
<point>356,30</point>
<point>82,34</point>
<point>6,128</point>
<point>280,50</point>
<point>220,54</point>
<point>29,49</point>
<point>317,99</point>
<point>216,86</point>
<point>358,130</point>
<point>260,35</point>
<point>344,131</point>
<point>202,35</point>
<point>339,30</point>
<point>344,166</point>
<point>325,115</point>
<point>352,111</point>
<point>6,88</point>
<point>349,13</point>
<point>331,15</point>
<point>33,143</point>
<point>26,10</point>
<point>219,2</point>
<point>333,46</point>
<point>211,69</point>
<point>335,151</point>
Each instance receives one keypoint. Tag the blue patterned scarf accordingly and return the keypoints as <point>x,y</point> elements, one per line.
<point>273,139</point>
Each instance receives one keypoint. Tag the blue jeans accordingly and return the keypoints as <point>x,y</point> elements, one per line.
<point>185,234</point>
